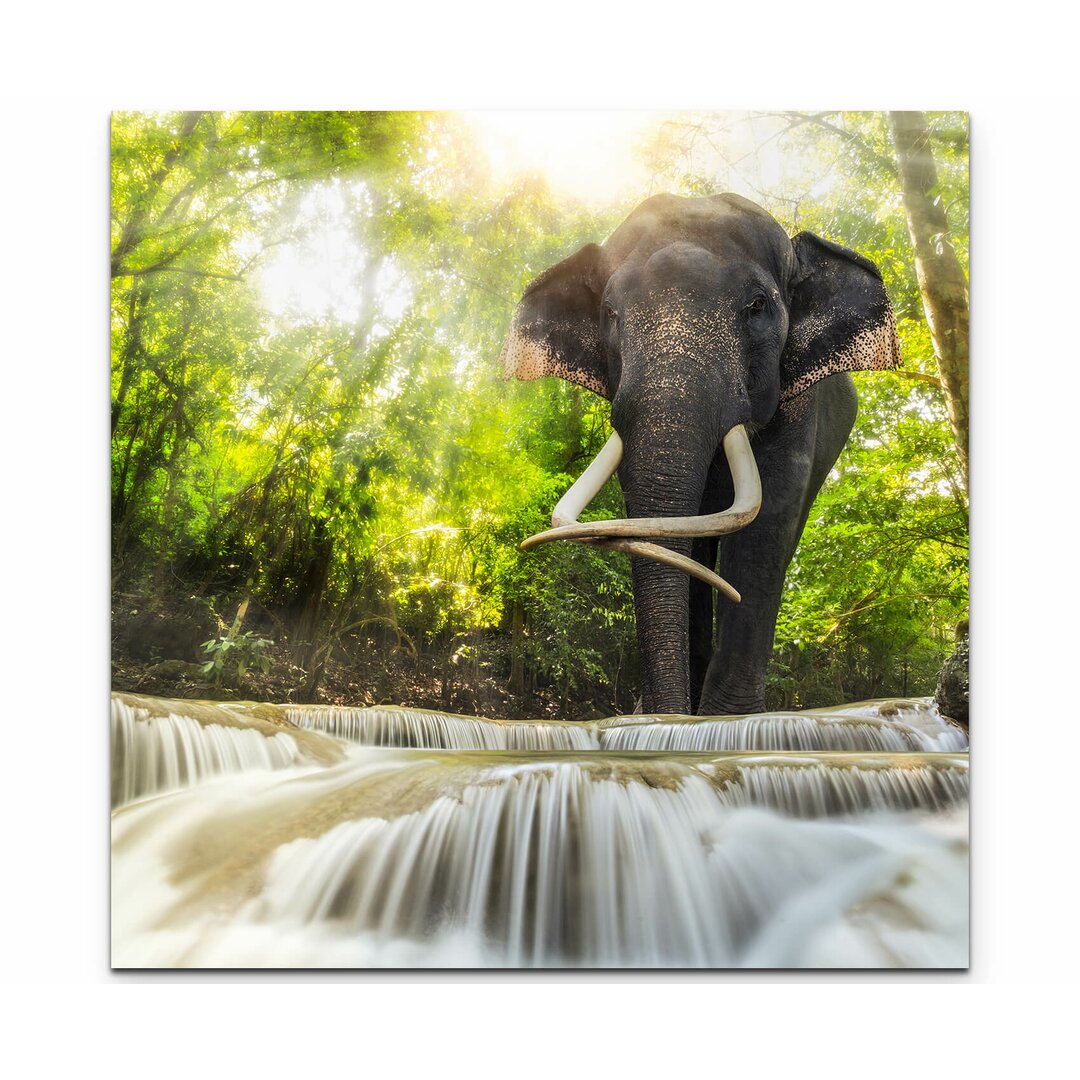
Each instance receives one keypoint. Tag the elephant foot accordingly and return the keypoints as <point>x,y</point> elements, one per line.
<point>730,704</point>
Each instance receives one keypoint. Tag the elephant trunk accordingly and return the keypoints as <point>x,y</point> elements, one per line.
<point>663,477</point>
<point>662,608</point>
<point>743,510</point>
<point>671,414</point>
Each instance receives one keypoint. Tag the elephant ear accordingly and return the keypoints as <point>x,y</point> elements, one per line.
<point>840,318</point>
<point>556,327</point>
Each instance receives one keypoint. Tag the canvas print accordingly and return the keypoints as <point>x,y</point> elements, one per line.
<point>539,540</point>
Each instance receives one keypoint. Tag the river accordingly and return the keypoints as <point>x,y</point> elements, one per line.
<point>254,835</point>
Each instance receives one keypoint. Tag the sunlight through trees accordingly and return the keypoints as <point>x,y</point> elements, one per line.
<point>312,441</point>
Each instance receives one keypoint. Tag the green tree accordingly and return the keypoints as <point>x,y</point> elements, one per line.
<point>311,434</point>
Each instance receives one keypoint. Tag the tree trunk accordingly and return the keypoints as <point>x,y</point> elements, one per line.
<point>131,350</point>
<point>517,650</point>
<point>941,278</point>
<point>313,590</point>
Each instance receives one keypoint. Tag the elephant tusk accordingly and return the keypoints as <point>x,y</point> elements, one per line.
<point>587,486</point>
<point>671,558</point>
<point>744,508</point>
<point>596,475</point>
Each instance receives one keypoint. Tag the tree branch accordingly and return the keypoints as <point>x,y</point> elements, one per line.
<point>191,271</point>
<point>848,136</point>
<point>918,376</point>
<point>132,232</point>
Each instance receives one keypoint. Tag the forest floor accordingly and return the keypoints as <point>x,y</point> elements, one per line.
<point>159,653</point>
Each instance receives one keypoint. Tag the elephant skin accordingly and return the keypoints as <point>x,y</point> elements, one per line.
<point>697,315</point>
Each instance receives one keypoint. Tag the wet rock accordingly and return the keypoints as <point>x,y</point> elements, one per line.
<point>952,689</point>
<point>176,669</point>
<point>148,635</point>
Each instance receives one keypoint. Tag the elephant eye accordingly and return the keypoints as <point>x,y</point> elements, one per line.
<point>756,306</point>
<point>612,316</point>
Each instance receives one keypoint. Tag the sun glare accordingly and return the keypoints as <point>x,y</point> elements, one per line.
<point>590,155</point>
<point>311,277</point>
<point>317,275</point>
<point>597,157</point>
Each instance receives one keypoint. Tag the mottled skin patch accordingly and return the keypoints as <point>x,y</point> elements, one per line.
<point>527,357</point>
<point>876,347</point>
<point>841,320</point>
<point>554,330</point>
<point>695,316</point>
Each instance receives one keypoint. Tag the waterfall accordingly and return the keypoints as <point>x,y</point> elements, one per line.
<point>388,726</point>
<point>315,850</point>
<point>897,726</point>
<point>651,876</point>
<point>160,746</point>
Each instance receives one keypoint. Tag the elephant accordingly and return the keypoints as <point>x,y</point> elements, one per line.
<point>724,347</point>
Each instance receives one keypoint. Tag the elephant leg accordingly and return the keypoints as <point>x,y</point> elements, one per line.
<point>794,453</point>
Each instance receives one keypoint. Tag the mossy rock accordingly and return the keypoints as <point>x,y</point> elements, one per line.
<point>952,689</point>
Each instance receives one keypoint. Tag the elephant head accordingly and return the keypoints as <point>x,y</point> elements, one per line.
<point>709,330</point>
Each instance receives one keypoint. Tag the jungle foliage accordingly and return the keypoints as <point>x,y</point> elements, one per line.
<point>313,447</point>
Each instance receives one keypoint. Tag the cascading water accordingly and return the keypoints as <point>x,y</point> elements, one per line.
<point>783,731</point>
<point>906,725</point>
<point>163,745</point>
<point>387,726</point>
<point>534,843</point>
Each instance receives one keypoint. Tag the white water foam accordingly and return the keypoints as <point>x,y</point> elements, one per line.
<point>406,859</point>
<point>912,724</point>
<point>158,753</point>
<point>388,726</point>
<point>907,724</point>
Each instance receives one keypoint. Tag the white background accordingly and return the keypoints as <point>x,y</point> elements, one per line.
<point>65,70</point>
